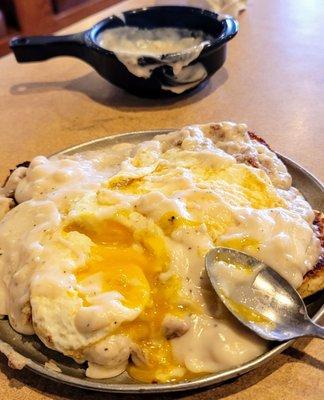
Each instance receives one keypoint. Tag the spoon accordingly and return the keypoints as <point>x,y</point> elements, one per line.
<point>258,296</point>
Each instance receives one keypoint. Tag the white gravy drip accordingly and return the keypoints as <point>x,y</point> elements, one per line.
<point>64,180</point>
<point>214,345</point>
<point>286,241</point>
<point>22,232</point>
<point>174,47</point>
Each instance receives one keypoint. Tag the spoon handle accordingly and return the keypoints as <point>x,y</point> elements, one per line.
<point>40,48</point>
<point>316,330</point>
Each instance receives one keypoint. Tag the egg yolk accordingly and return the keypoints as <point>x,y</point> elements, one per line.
<point>120,264</point>
<point>241,185</point>
<point>132,268</point>
<point>247,313</point>
<point>244,243</point>
<point>130,261</point>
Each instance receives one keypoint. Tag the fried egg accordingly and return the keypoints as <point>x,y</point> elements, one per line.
<point>103,258</point>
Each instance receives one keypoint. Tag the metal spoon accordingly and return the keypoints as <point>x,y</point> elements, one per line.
<point>262,300</point>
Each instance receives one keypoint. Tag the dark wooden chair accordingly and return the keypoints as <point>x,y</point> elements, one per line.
<point>3,27</point>
<point>36,17</point>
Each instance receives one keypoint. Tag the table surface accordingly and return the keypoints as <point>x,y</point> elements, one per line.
<point>273,80</point>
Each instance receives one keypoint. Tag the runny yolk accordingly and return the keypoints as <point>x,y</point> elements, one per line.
<point>241,244</point>
<point>120,264</point>
<point>132,268</point>
<point>247,313</point>
<point>241,184</point>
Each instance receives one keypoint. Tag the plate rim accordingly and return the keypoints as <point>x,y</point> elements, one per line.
<point>201,382</point>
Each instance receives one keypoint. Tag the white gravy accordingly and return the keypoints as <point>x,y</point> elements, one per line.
<point>167,46</point>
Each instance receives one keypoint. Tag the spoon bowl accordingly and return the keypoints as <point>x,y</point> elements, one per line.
<point>258,296</point>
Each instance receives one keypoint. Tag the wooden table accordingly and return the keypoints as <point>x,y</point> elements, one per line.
<point>273,80</point>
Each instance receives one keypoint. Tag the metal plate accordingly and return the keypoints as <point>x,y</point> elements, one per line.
<point>74,374</point>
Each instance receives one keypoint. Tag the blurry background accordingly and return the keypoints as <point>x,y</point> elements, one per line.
<point>37,17</point>
<point>34,17</point>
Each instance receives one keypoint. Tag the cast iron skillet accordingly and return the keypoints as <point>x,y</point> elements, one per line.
<point>85,46</point>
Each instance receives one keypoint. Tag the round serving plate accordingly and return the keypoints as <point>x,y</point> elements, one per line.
<point>74,374</point>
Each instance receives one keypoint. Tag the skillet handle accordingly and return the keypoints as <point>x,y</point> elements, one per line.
<point>40,48</point>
